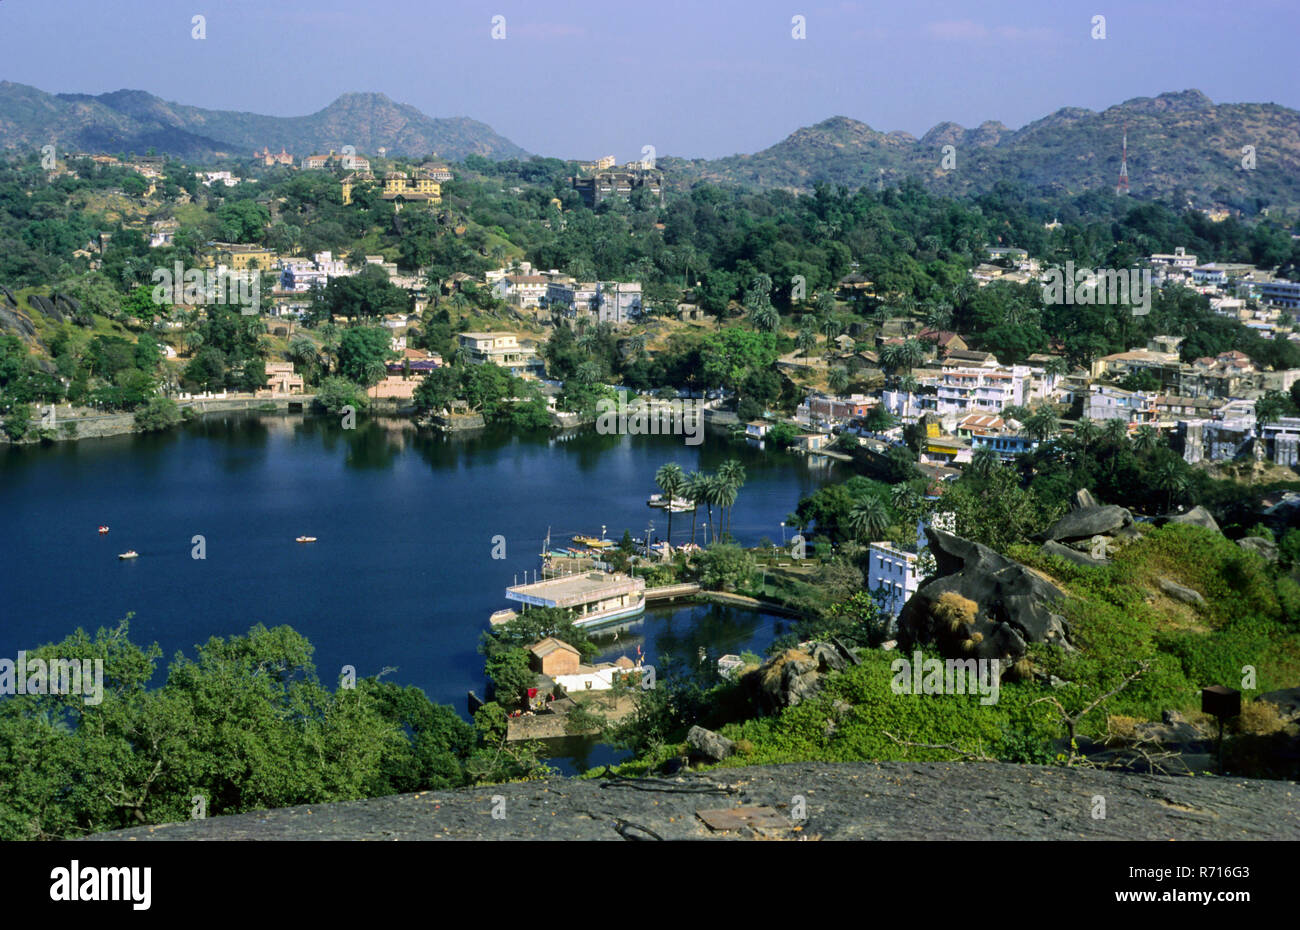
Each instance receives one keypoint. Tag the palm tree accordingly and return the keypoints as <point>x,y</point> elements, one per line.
<point>1086,432</point>
<point>671,480</point>
<point>937,314</point>
<point>807,337</point>
<point>868,519</point>
<point>1169,476</point>
<point>830,329</point>
<point>984,462</point>
<point>911,353</point>
<point>303,353</point>
<point>1042,424</point>
<point>891,359</point>
<point>726,501</point>
<point>498,254</point>
<point>1116,430</point>
<point>765,317</point>
<point>695,485</point>
<point>1057,367</point>
<point>733,473</point>
<point>714,488</point>
<point>838,380</point>
<point>1146,439</point>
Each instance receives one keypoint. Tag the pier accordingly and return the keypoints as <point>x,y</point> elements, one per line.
<point>672,591</point>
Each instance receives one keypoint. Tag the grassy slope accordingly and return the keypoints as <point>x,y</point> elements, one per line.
<point>1118,618</point>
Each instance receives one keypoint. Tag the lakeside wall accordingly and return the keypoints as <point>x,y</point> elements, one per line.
<point>99,426</point>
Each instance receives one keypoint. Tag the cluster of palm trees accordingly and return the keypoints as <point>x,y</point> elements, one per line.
<point>717,490</point>
<point>902,356</point>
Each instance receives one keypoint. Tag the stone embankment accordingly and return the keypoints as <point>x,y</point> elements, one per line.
<point>79,423</point>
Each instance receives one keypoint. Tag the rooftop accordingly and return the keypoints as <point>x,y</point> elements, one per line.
<point>573,590</point>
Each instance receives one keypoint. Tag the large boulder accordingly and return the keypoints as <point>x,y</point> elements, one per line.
<point>1197,516</point>
<point>1287,701</point>
<point>1087,522</point>
<point>1258,544</point>
<point>1052,547</point>
<point>1180,592</point>
<point>785,680</point>
<point>1010,605</point>
<point>1082,499</point>
<point>708,745</point>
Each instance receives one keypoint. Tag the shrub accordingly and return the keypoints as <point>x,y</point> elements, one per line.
<point>157,414</point>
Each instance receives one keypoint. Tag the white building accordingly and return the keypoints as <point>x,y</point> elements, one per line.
<point>504,350</point>
<point>1282,441</point>
<point>981,390</point>
<point>1180,260</point>
<point>1112,403</point>
<point>298,275</point>
<point>606,301</point>
<point>893,574</point>
<point>521,290</point>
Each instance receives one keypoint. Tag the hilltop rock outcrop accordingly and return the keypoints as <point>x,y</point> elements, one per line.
<point>795,675</point>
<point>1012,605</point>
<point>1258,544</point>
<point>1197,516</point>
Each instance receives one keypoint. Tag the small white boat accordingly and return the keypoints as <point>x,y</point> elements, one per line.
<point>129,554</point>
<point>305,539</point>
<point>103,530</point>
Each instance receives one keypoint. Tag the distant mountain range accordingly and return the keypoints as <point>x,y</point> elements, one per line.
<point>1181,146</point>
<point>135,121</point>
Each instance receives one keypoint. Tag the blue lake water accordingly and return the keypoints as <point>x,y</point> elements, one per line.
<point>402,574</point>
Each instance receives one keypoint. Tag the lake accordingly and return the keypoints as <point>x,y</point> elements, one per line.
<point>402,574</point>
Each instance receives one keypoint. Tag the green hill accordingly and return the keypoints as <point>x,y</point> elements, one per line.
<point>132,120</point>
<point>1180,145</point>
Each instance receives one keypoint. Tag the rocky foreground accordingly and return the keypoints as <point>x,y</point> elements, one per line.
<point>838,801</point>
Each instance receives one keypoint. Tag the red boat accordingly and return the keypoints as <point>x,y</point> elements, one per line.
<point>103,530</point>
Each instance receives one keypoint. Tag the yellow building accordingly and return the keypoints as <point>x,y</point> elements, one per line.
<point>418,186</point>
<point>243,257</point>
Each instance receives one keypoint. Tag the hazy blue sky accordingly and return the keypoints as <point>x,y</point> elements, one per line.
<point>581,79</point>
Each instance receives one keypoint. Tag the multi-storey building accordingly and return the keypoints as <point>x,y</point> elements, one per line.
<point>522,290</point>
<point>603,185</point>
<point>981,390</point>
<point>504,350</point>
<point>893,575</point>
<point>1112,403</point>
<point>603,301</point>
<point>1282,441</point>
<point>267,159</point>
<point>1284,294</point>
<point>1179,260</point>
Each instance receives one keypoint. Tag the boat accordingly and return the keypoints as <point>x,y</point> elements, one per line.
<point>592,542</point>
<point>129,554</point>
<point>679,504</point>
<point>305,539</point>
<point>103,530</point>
